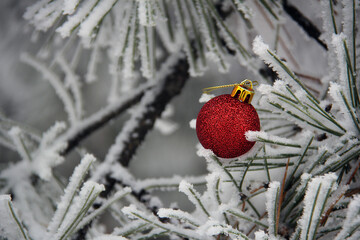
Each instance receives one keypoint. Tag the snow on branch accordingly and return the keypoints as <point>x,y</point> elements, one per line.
<point>16,135</point>
<point>90,124</point>
<point>181,15</point>
<point>305,23</point>
<point>231,40</point>
<point>171,80</point>
<point>131,228</point>
<point>167,184</point>
<point>109,237</point>
<point>351,222</point>
<point>178,214</point>
<point>73,81</point>
<point>116,197</point>
<point>110,172</point>
<point>78,209</point>
<point>296,106</point>
<point>69,193</point>
<point>242,215</point>
<point>47,156</point>
<point>11,224</point>
<point>208,30</point>
<point>134,213</point>
<point>147,51</point>
<point>347,72</point>
<point>316,197</point>
<point>348,113</point>
<point>198,28</point>
<point>75,19</point>
<point>272,200</point>
<point>268,138</point>
<point>94,17</point>
<point>279,66</point>
<point>70,6</point>
<point>243,7</point>
<point>43,14</point>
<point>213,228</point>
<point>193,196</point>
<point>56,83</point>
<point>149,12</point>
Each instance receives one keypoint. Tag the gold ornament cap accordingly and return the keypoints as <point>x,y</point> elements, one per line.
<point>243,91</point>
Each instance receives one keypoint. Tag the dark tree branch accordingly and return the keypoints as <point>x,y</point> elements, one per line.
<point>169,87</point>
<point>74,136</point>
<point>304,23</point>
<point>172,86</point>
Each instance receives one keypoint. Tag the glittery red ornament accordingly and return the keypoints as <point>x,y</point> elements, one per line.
<point>222,123</point>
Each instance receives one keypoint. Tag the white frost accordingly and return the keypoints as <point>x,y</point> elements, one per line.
<point>78,208</point>
<point>132,212</point>
<point>69,192</point>
<point>261,135</point>
<point>192,123</point>
<point>352,219</point>
<point>193,196</point>
<point>9,229</point>
<point>166,126</point>
<point>95,17</point>
<point>178,214</point>
<point>15,134</point>
<point>109,237</point>
<point>272,194</point>
<point>70,6</point>
<point>316,196</point>
<point>72,21</point>
<point>205,97</point>
<point>164,184</point>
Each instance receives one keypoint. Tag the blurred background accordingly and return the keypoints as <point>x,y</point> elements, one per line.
<point>26,97</point>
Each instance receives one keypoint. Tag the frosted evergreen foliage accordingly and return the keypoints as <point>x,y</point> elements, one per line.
<point>299,181</point>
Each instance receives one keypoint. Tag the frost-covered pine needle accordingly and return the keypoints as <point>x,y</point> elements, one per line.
<point>116,197</point>
<point>133,212</point>
<point>78,208</point>
<point>317,194</point>
<point>11,226</point>
<point>15,134</point>
<point>69,193</point>
<point>56,83</point>
<point>352,221</point>
<point>272,201</point>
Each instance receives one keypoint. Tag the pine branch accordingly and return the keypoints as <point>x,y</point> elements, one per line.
<point>172,86</point>
<point>74,136</point>
<point>169,87</point>
<point>99,119</point>
<point>304,23</point>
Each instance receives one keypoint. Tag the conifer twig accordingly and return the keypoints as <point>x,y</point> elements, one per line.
<point>282,196</point>
<point>100,119</point>
<point>171,86</point>
<point>310,28</point>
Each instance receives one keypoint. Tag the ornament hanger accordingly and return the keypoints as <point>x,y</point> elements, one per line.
<point>243,91</point>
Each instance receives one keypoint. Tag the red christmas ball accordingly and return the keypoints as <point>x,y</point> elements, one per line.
<point>222,123</point>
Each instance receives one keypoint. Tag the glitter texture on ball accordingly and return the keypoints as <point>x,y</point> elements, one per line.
<point>222,123</point>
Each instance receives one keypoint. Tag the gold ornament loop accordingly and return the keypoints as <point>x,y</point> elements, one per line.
<point>243,91</point>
